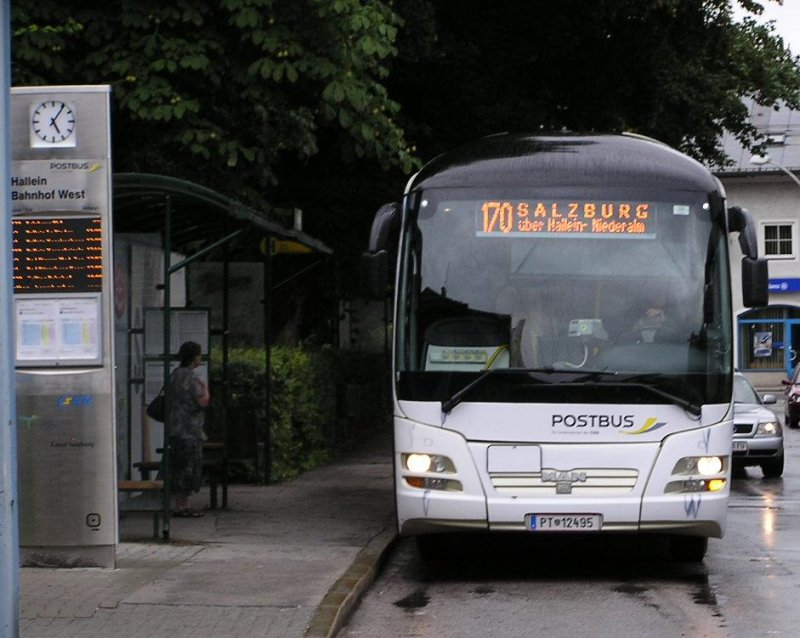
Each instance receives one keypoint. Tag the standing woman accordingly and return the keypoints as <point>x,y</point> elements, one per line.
<point>189,398</point>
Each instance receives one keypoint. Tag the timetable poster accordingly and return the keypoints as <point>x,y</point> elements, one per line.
<point>58,330</point>
<point>36,321</point>
<point>79,327</point>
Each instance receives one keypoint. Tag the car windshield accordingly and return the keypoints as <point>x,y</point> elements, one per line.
<point>743,392</point>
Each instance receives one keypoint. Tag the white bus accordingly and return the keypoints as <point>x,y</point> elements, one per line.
<point>563,339</point>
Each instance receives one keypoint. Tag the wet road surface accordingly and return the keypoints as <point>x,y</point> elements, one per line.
<point>749,584</point>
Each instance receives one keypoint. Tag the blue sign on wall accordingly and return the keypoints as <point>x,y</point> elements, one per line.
<point>784,285</point>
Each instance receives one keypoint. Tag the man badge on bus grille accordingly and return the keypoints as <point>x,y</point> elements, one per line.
<point>563,488</point>
<point>563,480</point>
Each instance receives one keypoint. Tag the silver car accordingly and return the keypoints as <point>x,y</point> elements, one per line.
<point>757,431</point>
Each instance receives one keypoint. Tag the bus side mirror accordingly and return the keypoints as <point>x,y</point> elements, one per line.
<point>740,220</point>
<point>374,274</point>
<point>383,238</point>
<point>755,282</point>
<point>384,229</point>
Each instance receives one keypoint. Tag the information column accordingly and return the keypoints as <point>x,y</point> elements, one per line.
<point>61,208</point>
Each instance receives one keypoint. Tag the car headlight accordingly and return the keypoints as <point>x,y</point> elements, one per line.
<point>768,428</point>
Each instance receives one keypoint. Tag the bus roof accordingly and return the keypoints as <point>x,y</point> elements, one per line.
<point>564,160</point>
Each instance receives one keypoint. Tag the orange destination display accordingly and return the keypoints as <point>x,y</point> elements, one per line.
<point>57,254</point>
<point>516,218</point>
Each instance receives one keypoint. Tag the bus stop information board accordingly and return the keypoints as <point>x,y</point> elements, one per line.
<point>62,229</point>
<point>57,255</point>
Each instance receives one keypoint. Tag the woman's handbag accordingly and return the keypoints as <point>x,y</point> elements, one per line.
<point>155,409</point>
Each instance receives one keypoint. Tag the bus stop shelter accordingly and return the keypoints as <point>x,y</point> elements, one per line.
<point>186,223</point>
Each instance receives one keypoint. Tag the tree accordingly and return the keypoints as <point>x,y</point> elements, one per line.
<point>676,70</point>
<point>298,104</point>
<point>223,91</point>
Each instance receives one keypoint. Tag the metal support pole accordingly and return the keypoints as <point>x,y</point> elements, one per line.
<point>226,388</point>
<point>167,390</point>
<point>267,305</point>
<point>761,160</point>
<point>788,173</point>
<point>9,513</point>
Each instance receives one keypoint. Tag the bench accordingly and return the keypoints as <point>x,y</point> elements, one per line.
<point>151,499</point>
<point>215,467</point>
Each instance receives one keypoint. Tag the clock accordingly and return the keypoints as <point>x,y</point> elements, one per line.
<point>52,124</point>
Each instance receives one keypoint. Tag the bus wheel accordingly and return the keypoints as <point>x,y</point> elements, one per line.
<point>688,549</point>
<point>431,547</point>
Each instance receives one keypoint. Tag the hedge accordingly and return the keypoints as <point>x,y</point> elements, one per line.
<point>322,401</point>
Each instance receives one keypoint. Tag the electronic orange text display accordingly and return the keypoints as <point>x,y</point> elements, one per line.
<point>566,217</point>
<point>57,255</point>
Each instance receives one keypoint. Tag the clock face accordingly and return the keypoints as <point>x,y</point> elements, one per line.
<point>53,122</point>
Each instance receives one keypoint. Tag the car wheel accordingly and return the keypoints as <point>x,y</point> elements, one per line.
<point>688,549</point>
<point>774,468</point>
<point>738,470</point>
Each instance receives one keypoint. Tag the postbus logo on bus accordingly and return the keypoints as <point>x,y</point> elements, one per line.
<point>621,422</point>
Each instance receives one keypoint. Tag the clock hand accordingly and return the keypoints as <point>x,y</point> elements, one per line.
<point>54,118</point>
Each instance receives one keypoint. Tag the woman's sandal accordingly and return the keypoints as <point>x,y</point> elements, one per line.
<point>187,514</point>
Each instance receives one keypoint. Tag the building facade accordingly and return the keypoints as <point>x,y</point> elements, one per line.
<point>768,339</point>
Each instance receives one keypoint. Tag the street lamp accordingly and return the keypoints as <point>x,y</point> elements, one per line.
<point>763,160</point>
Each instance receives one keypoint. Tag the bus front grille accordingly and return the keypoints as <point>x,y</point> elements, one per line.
<point>584,482</point>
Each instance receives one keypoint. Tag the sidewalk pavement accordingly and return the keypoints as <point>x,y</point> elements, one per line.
<point>287,560</point>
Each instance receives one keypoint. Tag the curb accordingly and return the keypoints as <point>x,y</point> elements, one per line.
<point>342,598</point>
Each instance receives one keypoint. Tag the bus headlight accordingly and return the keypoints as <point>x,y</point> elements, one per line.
<point>429,469</point>
<point>695,485</point>
<point>709,465</point>
<point>418,462</point>
<point>703,465</point>
<point>422,463</point>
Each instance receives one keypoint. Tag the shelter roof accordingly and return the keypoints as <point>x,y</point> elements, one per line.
<point>200,216</point>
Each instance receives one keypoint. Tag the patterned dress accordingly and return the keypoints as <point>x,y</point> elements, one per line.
<point>186,431</point>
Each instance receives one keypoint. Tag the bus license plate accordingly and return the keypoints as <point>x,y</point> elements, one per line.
<point>565,522</point>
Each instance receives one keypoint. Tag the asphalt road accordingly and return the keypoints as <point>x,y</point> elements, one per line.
<point>600,586</point>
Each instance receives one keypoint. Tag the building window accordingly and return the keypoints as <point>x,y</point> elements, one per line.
<point>769,338</point>
<point>778,240</point>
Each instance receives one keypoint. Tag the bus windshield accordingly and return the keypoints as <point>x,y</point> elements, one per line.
<point>625,289</point>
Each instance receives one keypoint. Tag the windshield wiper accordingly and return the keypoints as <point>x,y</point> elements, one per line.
<point>689,406</point>
<point>639,381</point>
<point>644,381</point>
<point>458,397</point>
<point>585,377</point>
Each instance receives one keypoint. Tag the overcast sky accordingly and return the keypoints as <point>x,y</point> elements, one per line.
<point>786,17</point>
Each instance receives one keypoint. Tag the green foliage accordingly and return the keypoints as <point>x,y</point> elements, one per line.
<point>313,393</point>
<point>298,104</point>
<point>303,408</point>
<point>215,85</point>
<point>670,69</point>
